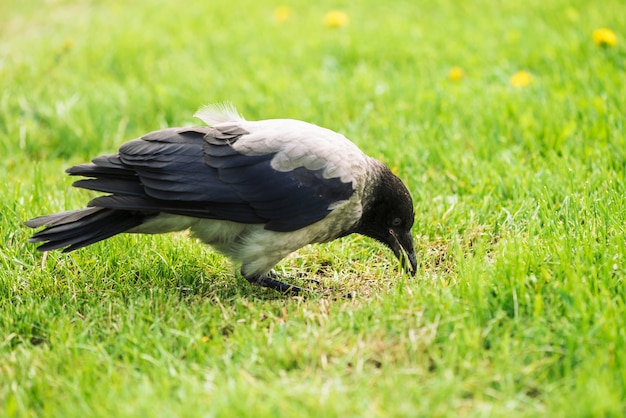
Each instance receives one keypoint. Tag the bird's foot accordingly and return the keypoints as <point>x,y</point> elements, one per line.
<point>270,282</point>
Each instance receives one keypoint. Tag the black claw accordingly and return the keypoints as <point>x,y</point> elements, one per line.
<point>272,283</point>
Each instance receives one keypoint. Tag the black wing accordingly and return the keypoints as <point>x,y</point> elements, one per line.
<point>196,172</point>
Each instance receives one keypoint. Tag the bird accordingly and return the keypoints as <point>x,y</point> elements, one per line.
<point>255,191</point>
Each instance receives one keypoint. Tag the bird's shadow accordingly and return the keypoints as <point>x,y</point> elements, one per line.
<point>232,286</point>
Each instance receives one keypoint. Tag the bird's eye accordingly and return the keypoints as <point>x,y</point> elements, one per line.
<point>396,222</point>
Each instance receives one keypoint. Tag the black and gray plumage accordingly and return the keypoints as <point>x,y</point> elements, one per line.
<point>254,190</point>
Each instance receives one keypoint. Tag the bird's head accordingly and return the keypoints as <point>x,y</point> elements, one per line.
<point>388,217</point>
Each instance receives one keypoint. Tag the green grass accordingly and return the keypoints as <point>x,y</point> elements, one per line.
<point>518,308</point>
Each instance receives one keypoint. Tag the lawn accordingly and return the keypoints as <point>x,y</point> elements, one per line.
<point>504,119</point>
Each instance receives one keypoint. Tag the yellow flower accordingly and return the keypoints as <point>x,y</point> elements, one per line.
<point>336,19</point>
<point>67,45</point>
<point>205,339</point>
<point>604,37</point>
<point>281,14</point>
<point>455,74</point>
<point>521,79</point>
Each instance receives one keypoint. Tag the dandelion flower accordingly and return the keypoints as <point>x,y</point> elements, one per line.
<point>521,79</point>
<point>281,14</point>
<point>336,19</point>
<point>604,37</point>
<point>455,74</point>
<point>67,45</point>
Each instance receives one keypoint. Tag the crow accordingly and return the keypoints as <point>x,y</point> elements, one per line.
<point>255,191</point>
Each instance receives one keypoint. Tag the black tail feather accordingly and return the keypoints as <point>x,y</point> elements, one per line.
<point>60,218</point>
<point>78,228</point>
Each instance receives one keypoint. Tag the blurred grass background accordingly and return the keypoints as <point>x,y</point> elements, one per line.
<point>518,309</point>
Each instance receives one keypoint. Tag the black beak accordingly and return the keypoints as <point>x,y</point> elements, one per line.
<point>402,246</point>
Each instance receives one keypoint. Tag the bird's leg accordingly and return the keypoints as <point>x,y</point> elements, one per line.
<point>271,283</point>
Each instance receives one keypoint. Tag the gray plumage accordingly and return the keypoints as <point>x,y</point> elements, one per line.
<point>254,190</point>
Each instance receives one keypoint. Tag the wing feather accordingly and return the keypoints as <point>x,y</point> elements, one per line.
<point>199,172</point>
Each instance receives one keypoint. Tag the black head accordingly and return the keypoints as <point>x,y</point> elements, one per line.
<point>388,217</point>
